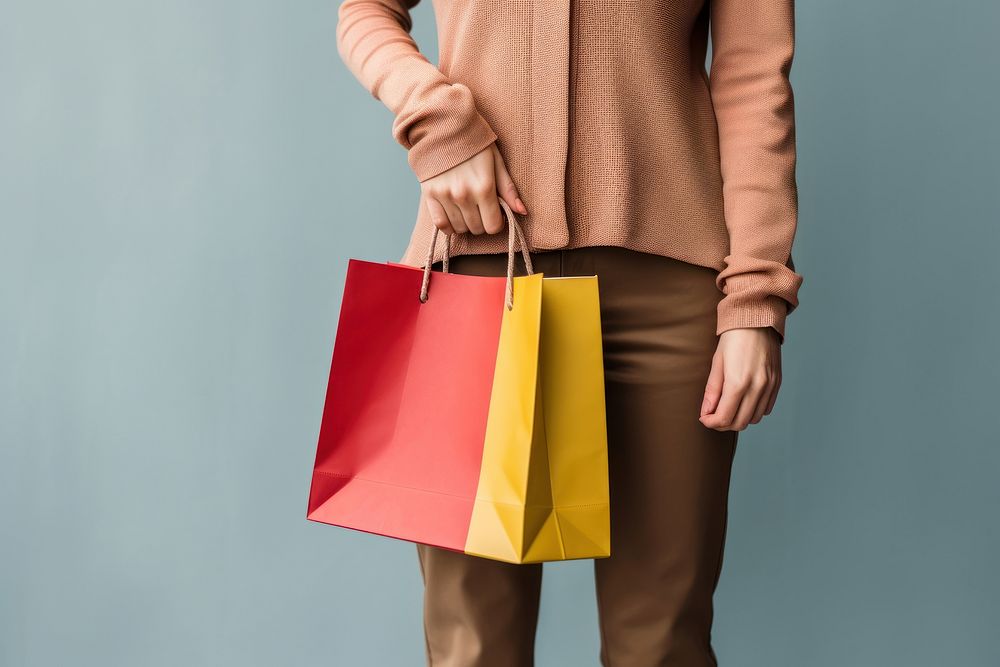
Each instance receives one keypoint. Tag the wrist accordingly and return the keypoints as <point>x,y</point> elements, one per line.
<point>766,331</point>
<point>766,315</point>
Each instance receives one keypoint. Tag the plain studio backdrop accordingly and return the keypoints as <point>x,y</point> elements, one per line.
<point>181,185</point>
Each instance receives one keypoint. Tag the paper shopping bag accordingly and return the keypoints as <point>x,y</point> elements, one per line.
<point>467,413</point>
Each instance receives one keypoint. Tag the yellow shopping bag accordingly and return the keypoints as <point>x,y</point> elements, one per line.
<point>543,486</point>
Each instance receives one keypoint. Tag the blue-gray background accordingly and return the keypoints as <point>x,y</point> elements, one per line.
<point>181,184</point>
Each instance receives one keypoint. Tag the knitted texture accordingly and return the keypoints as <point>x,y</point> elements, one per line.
<point>610,125</point>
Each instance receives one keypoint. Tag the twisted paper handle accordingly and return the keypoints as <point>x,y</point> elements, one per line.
<point>515,236</point>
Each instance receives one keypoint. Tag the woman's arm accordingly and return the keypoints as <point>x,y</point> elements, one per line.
<point>451,148</point>
<point>436,119</point>
<point>752,46</point>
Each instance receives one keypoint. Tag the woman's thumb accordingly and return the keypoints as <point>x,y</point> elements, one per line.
<point>505,184</point>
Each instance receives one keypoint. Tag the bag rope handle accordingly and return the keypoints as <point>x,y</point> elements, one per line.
<point>515,236</point>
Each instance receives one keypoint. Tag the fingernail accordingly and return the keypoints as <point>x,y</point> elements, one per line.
<point>521,207</point>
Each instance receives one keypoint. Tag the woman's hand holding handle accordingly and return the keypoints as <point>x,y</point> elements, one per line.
<point>464,198</point>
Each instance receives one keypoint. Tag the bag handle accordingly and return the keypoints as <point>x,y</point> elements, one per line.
<point>514,235</point>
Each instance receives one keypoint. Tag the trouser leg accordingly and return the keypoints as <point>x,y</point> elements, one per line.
<point>480,612</point>
<point>669,475</point>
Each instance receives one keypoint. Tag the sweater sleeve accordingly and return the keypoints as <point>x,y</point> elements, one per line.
<point>752,46</point>
<point>436,120</point>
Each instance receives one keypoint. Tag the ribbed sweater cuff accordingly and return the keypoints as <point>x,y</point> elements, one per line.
<point>453,141</point>
<point>770,311</point>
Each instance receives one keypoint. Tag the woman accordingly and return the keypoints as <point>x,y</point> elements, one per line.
<point>597,122</point>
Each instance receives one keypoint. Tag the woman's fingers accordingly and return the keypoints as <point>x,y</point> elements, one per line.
<point>777,385</point>
<point>505,184</point>
<point>470,214</point>
<point>752,398</point>
<point>438,215</point>
<point>713,387</point>
<point>493,219</point>
<point>455,216</point>
<point>766,400</point>
<point>773,397</point>
<point>760,407</point>
<point>729,404</point>
<point>749,362</point>
<point>742,403</point>
<point>464,198</point>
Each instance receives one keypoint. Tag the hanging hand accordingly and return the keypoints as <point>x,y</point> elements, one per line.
<point>743,383</point>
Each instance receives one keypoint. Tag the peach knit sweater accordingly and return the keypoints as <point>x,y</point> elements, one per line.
<point>610,125</point>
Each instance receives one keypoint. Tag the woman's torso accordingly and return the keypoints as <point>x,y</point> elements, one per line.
<point>643,149</point>
<point>603,116</point>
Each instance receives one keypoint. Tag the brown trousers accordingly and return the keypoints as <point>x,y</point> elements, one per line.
<point>669,483</point>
